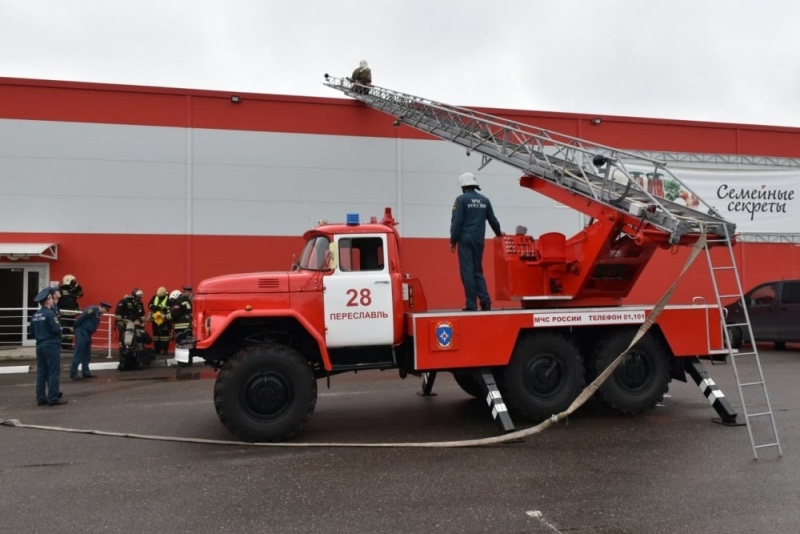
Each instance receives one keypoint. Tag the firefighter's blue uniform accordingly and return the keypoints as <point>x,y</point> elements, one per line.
<point>47,331</point>
<point>471,212</point>
<point>85,325</point>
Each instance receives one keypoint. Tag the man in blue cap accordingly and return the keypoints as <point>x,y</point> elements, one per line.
<point>47,332</point>
<point>85,325</point>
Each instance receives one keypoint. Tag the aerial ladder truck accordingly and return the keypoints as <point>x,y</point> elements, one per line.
<point>347,304</point>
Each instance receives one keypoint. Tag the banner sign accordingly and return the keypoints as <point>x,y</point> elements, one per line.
<point>756,201</point>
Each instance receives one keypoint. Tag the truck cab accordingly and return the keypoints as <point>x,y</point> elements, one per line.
<point>342,304</point>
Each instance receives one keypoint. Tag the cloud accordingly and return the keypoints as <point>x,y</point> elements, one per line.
<point>717,60</point>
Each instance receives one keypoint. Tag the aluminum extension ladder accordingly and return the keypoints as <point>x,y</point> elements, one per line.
<point>594,171</point>
<point>747,370</point>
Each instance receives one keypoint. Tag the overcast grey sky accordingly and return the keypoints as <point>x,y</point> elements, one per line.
<point>715,60</point>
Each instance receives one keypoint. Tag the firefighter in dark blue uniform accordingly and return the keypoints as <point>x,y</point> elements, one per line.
<point>47,331</point>
<point>471,212</point>
<point>85,325</point>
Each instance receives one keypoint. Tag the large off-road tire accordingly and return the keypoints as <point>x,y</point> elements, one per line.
<point>544,376</point>
<point>641,379</point>
<point>469,382</point>
<point>265,393</point>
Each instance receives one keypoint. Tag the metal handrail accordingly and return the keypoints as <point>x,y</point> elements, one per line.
<point>12,336</point>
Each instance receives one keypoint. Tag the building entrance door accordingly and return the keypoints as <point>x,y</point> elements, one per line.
<point>19,285</point>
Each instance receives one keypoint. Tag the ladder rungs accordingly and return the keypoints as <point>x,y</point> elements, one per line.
<point>724,268</point>
<point>736,324</point>
<point>752,384</point>
<point>745,354</point>
<point>737,295</point>
<point>759,414</point>
<point>775,444</point>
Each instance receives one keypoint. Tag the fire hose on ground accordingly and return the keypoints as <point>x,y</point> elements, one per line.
<point>505,438</point>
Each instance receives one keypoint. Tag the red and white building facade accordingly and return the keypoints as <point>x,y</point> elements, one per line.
<point>127,187</point>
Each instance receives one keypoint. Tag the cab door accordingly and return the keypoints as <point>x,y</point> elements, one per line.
<point>358,293</point>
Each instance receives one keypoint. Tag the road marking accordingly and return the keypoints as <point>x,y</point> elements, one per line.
<point>536,514</point>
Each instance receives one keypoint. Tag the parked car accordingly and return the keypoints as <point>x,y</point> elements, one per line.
<point>774,311</point>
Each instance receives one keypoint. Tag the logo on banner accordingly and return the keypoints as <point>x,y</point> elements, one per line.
<point>444,335</point>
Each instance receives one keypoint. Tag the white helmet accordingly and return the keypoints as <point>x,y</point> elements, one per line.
<point>363,64</point>
<point>468,179</point>
<point>175,294</point>
<point>68,279</point>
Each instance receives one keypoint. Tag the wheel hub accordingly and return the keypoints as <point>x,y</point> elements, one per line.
<point>267,394</point>
<point>544,376</point>
<point>633,373</point>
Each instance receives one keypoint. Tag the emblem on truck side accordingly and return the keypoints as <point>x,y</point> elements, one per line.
<point>444,335</point>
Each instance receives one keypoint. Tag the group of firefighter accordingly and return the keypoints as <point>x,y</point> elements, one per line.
<point>169,315</point>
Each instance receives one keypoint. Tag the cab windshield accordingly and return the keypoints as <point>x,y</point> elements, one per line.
<point>315,254</point>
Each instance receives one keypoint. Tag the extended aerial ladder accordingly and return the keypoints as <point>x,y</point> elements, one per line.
<point>629,219</point>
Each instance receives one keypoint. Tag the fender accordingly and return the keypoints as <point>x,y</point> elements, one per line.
<point>227,319</point>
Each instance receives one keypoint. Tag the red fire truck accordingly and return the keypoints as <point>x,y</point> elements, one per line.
<point>348,304</point>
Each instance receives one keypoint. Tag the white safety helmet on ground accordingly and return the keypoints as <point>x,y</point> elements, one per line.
<point>468,179</point>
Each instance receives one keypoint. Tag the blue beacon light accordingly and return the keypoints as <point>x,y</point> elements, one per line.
<point>352,219</point>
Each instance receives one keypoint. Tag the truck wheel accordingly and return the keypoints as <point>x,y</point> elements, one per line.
<point>544,376</point>
<point>265,393</point>
<point>641,379</point>
<point>469,383</point>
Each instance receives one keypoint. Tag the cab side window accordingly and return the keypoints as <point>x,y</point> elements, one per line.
<point>361,254</point>
<point>791,293</point>
<point>764,295</point>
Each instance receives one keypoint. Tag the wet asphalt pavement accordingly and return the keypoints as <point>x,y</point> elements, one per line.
<point>668,470</point>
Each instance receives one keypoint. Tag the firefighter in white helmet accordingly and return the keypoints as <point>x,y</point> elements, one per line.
<point>181,314</point>
<point>363,76</point>
<point>471,212</point>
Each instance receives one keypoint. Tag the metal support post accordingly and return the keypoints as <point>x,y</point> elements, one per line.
<point>714,395</point>
<point>427,384</point>
<point>495,401</point>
